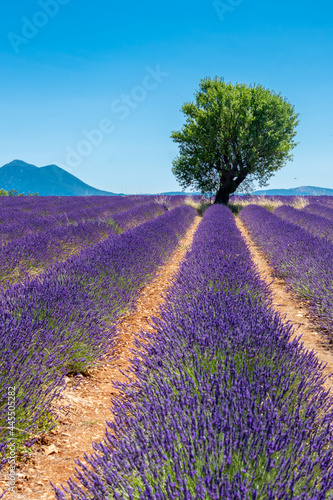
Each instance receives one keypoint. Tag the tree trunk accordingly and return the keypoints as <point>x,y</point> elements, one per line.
<point>222,195</point>
<point>227,187</point>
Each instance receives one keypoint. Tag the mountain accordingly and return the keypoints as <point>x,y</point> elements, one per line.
<point>176,193</point>
<point>298,191</point>
<point>46,181</point>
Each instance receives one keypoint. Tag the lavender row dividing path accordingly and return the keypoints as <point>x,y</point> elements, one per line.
<point>304,261</point>
<point>224,404</point>
<point>313,223</point>
<point>65,321</point>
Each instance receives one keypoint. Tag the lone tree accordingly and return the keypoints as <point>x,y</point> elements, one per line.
<point>233,134</point>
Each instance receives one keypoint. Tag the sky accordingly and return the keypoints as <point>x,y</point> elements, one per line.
<point>96,87</point>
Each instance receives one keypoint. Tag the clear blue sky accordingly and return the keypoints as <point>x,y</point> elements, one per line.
<point>69,67</point>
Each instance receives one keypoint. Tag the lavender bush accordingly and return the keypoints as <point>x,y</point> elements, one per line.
<point>303,260</point>
<point>313,223</point>
<point>321,210</point>
<point>224,405</point>
<point>137,215</point>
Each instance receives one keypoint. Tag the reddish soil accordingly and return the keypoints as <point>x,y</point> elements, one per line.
<point>88,404</point>
<point>291,308</point>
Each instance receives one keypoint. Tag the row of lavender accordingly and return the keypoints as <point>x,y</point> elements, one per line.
<point>315,224</point>
<point>32,253</point>
<point>65,320</point>
<point>321,210</point>
<point>302,259</point>
<point>72,208</point>
<point>64,209</point>
<point>224,405</point>
<point>26,215</point>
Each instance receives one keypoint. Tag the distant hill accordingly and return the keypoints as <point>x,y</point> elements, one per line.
<point>46,181</point>
<point>176,193</point>
<point>299,191</point>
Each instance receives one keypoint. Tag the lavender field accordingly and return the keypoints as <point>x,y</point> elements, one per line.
<point>63,320</point>
<point>226,403</point>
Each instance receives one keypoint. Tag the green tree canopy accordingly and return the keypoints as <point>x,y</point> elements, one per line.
<point>233,135</point>
<point>14,192</point>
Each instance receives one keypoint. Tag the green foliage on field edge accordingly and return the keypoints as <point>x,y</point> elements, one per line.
<point>13,192</point>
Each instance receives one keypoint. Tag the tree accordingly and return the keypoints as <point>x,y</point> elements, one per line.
<point>14,192</point>
<point>233,135</point>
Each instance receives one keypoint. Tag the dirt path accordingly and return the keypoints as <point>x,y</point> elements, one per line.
<point>293,310</point>
<point>89,403</point>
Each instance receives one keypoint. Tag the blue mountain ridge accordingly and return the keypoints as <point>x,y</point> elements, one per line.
<point>298,191</point>
<point>50,180</point>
